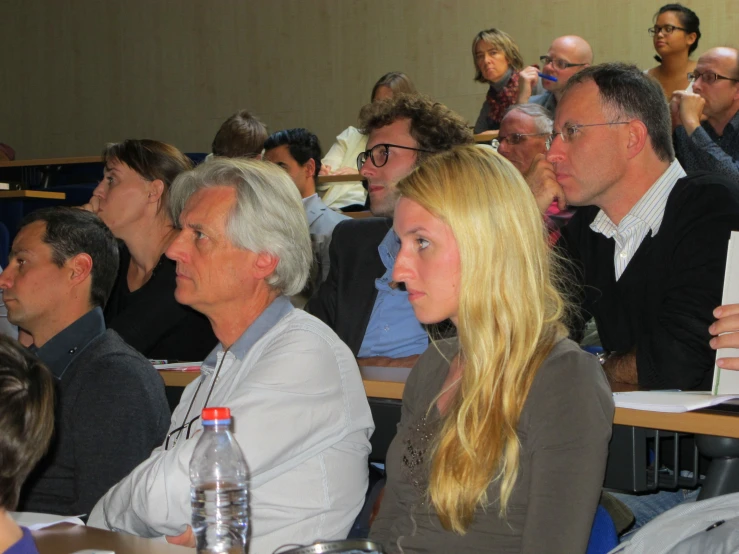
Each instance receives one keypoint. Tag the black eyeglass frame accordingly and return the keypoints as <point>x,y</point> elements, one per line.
<point>496,142</point>
<point>367,154</point>
<point>695,75</point>
<point>559,64</point>
<point>668,29</point>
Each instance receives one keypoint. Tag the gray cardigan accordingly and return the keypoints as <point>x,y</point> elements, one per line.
<point>564,429</point>
<point>111,413</point>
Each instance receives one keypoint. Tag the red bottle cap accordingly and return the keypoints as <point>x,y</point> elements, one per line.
<point>211,414</point>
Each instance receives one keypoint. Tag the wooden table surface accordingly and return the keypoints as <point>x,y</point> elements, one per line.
<point>32,194</point>
<point>66,538</point>
<point>53,161</point>
<point>390,382</point>
<point>353,178</point>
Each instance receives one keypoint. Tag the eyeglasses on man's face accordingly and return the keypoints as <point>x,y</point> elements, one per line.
<point>708,77</point>
<point>515,138</point>
<point>665,29</point>
<point>569,131</point>
<point>379,154</point>
<point>559,64</point>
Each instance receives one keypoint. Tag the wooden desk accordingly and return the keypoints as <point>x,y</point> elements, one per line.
<point>375,385</point>
<point>53,161</point>
<point>7,194</point>
<point>485,137</point>
<point>382,385</point>
<point>65,538</point>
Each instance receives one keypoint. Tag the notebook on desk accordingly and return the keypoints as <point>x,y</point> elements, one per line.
<point>727,381</point>
<point>669,401</point>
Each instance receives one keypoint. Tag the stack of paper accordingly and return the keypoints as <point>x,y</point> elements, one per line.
<point>668,401</point>
<point>726,381</point>
<point>35,521</point>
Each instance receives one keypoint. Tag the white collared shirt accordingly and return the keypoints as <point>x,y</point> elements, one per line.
<point>302,420</point>
<point>644,216</point>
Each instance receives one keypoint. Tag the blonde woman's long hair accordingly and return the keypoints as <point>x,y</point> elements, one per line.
<point>510,317</point>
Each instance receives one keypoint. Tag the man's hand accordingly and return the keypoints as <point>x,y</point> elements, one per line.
<point>690,109</point>
<point>93,205</point>
<point>185,539</point>
<point>527,79</point>
<point>726,333</point>
<point>543,184</point>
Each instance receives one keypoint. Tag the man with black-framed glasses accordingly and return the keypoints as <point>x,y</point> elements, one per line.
<point>566,56</point>
<point>359,300</point>
<point>706,121</point>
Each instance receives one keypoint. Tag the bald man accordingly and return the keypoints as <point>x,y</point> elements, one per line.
<point>712,145</point>
<point>566,56</point>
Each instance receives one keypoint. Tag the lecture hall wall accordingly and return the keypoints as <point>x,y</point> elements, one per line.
<point>80,73</point>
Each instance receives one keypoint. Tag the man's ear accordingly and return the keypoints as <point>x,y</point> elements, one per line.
<point>310,168</point>
<point>79,268</point>
<point>265,265</point>
<point>638,136</point>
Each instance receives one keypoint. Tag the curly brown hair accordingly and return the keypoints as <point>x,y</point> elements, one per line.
<point>433,126</point>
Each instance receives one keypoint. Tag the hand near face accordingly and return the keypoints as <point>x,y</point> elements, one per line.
<point>726,333</point>
<point>93,205</point>
<point>527,79</point>
<point>690,109</point>
<point>543,184</point>
<point>185,539</point>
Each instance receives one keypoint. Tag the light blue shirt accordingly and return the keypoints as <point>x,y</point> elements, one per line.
<point>393,329</point>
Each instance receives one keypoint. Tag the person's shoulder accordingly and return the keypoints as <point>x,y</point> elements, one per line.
<point>109,353</point>
<point>366,230</point>
<point>569,368</point>
<point>300,330</point>
<point>707,190</point>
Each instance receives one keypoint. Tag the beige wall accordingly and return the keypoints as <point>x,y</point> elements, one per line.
<point>79,73</point>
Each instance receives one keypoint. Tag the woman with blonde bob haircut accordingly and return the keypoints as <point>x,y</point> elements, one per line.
<point>497,62</point>
<point>504,432</point>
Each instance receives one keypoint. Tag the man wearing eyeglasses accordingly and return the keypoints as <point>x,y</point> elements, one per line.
<point>649,242</point>
<point>359,300</point>
<point>566,56</point>
<point>711,145</point>
<point>522,139</point>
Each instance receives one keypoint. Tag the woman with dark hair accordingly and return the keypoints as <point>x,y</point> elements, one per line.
<point>497,62</point>
<point>341,159</point>
<point>132,201</point>
<point>675,36</point>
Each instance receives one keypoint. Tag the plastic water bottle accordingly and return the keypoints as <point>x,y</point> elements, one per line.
<point>219,479</point>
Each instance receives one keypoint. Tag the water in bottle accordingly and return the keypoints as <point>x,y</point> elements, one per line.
<point>219,480</point>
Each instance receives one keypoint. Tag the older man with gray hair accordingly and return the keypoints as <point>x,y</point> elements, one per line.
<point>522,140</point>
<point>294,389</point>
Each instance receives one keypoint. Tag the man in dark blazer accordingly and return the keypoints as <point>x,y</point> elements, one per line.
<point>359,300</point>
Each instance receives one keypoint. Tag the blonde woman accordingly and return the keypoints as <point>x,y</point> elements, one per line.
<point>504,432</point>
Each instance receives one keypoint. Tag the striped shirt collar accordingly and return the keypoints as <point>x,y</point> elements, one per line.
<point>650,208</point>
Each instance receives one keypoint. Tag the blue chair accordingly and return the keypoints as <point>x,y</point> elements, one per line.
<point>603,536</point>
<point>4,245</point>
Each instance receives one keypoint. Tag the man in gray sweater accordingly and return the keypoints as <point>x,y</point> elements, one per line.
<point>111,410</point>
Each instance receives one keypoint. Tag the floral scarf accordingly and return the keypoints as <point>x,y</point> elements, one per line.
<point>499,101</point>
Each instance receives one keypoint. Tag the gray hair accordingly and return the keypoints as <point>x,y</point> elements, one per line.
<point>268,215</point>
<point>543,118</point>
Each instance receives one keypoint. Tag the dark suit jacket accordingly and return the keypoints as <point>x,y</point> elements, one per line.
<point>346,298</point>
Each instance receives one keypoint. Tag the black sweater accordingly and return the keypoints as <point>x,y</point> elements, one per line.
<point>661,307</point>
